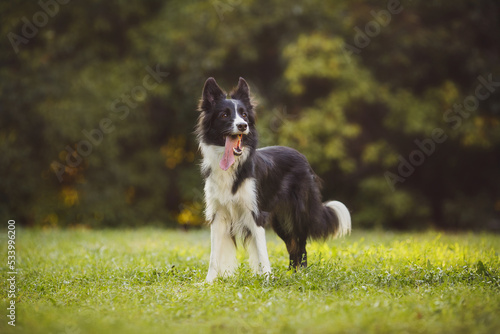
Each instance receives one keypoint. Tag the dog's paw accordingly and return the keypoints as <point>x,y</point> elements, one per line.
<point>268,276</point>
<point>211,276</point>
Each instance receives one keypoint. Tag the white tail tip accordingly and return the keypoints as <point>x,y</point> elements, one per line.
<point>344,217</point>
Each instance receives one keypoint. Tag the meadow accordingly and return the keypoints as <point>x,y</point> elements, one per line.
<point>151,281</point>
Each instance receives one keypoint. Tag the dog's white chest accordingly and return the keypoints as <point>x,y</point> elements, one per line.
<point>219,195</point>
<point>236,207</point>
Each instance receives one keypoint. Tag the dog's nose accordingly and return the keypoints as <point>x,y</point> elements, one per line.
<point>242,126</point>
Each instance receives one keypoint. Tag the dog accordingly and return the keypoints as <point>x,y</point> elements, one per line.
<point>248,188</point>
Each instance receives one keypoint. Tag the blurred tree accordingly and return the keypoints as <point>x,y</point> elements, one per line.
<point>418,69</point>
<point>98,105</point>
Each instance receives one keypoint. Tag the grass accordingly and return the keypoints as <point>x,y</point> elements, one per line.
<point>151,280</point>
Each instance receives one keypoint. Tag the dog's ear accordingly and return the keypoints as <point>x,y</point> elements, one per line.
<point>212,92</point>
<point>242,92</point>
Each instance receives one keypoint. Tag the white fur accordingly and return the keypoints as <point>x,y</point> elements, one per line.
<point>231,216</point>
<point>219,184</point>
<point>257,250</point>
<point>344,217</point>
<point>223,251</point>
<point>238,120</point>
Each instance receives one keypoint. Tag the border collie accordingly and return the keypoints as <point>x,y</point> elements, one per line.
<point>247,188</point>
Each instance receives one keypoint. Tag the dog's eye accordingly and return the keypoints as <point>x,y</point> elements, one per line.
<point>224,114</point>
<point>243,113</point>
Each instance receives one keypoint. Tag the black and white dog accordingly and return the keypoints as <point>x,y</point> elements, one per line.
<point>246,187</point>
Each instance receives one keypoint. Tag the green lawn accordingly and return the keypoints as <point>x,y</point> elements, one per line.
<point>151,280</point>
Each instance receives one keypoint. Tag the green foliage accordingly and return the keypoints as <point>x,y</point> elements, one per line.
<point>354,111</point>
<point>151,280</point>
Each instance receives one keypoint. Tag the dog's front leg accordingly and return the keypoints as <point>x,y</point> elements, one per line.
<point>257,251</point>
<point>223,250</point>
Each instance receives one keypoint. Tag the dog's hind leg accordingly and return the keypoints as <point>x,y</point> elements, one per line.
<point>297,250</point>
<point>302,253</point>
<point>295,246</point>
<point>223,249</point>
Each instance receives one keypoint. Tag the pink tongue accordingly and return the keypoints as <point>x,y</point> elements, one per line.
<point>228,158</point>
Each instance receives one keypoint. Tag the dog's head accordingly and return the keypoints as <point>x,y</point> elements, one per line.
<point>227,120</point>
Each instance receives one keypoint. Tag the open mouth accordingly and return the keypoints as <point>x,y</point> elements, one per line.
<point>238,150</point>
<point>232,148</point>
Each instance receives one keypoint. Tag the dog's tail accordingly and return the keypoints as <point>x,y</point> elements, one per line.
<point>343,217</point>
<point>335,220</point>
